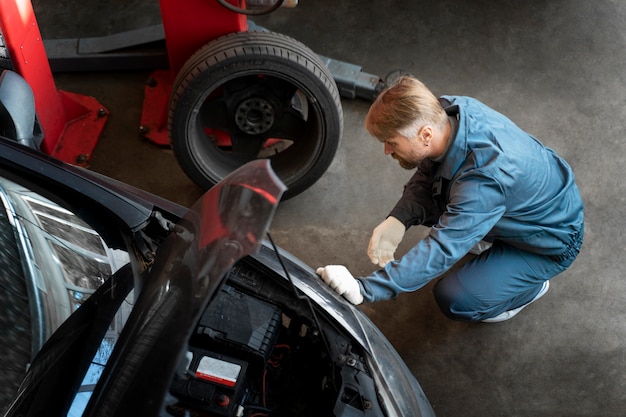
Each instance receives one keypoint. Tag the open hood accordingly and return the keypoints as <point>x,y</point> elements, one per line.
<point>226,224</point>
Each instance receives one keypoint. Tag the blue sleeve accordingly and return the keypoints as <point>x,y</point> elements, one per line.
<point>477,202</point>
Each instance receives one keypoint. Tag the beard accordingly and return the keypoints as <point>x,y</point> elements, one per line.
<point>408,165</point>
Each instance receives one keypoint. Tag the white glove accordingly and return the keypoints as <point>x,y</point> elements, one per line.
<point>385,240</point>
<point>341,280</point>
<point>480,247</point>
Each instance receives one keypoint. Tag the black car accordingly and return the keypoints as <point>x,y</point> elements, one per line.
<point>118,303</point>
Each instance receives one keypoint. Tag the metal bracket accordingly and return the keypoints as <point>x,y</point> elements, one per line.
<point>140,49</point>
<point>352,81</point>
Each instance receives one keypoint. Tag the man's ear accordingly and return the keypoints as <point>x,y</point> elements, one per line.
<point>425,135</point>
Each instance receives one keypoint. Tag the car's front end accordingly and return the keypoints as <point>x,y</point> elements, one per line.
<point>222,323</point>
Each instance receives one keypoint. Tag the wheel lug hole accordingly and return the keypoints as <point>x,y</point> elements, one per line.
<point>254,116</point>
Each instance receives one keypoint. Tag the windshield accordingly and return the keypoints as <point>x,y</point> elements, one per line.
<point>64,259</point>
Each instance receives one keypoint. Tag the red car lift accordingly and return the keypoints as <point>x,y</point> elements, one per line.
<point>240,94</point>
<point>186,26</point>
<point>186,30</point>
<point>71,123</point>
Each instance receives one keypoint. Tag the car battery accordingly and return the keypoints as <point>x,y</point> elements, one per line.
<point>238,322</point>
<point>217,383</point>
<point>233,340</point>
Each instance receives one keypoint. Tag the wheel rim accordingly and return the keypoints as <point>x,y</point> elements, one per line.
<point>256,115</point>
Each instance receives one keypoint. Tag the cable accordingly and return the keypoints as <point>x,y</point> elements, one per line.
<point>304,298</point>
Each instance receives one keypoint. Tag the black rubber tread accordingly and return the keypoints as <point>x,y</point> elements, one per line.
<point>15,320</point>
<point>261,43</point>
<point>264,46</point>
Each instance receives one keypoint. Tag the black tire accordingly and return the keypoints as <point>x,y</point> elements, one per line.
<point>251,95</point>
<point>15,321</point>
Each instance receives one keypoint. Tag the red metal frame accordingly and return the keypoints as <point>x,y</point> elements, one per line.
<point>71,123</point>
<point>188,25</point>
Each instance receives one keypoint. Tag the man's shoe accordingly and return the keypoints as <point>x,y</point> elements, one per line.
<point>512,313</point>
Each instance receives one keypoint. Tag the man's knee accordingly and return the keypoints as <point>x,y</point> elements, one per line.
<point>450,298</point>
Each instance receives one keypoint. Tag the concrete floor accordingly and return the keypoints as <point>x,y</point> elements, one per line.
<point>555,67</point>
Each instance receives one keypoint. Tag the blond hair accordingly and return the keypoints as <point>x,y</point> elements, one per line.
<point>403,109</point>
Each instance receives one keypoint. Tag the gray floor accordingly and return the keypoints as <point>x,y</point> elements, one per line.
<point>555,67</point>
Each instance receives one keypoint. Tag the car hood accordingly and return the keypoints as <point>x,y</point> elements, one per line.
<point>226,224</point>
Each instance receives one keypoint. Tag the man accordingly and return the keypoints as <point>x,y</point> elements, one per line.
<point>480,179</point>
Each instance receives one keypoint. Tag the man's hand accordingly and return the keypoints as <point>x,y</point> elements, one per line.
<point>341,280</point>
<point>385,240</point>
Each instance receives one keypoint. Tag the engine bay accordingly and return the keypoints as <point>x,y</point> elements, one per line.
<point>260,350</point>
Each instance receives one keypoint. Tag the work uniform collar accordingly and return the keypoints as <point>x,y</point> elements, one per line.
<point>456,149</point>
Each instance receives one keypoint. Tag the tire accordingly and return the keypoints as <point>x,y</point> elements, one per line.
<point>15,321</point>
<point>251,95</point>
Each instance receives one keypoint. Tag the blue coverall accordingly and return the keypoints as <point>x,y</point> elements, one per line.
<point>496,183</point>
